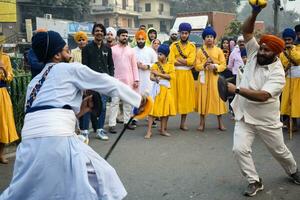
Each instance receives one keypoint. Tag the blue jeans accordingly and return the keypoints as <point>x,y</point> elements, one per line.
<point>101,117</point>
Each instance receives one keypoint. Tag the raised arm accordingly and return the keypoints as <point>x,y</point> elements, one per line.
<point>248,25</point>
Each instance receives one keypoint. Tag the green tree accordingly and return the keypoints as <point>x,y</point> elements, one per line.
<point>233,29</point>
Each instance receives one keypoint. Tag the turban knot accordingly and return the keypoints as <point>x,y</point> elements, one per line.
<point>164,49</point>
<point>288,32</point>
<point>273,42</point>
<point>185,27</point>
<point>46,44</point>
<point>209,31</point>
<point>140,33</point>
<point>80,36</point>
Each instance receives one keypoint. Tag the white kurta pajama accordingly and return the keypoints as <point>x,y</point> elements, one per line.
<point>260,118</point>
<point>147,56</point>
<point>51,162</point>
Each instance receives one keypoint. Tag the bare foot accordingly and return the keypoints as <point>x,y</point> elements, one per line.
<point>3,160</point>
<point>222,128</point>
<point>200,128</point>
<point>148,135</point>
<point>184,128</point>
<point>165,134</point>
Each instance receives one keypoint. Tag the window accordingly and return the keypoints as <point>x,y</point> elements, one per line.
<point>106,22</point>
<point>104,2</point>
<point>161,8</point>
<point>150,26</point>
<point>124,4</point>
<point>163,26</point>
<point>148,7</point>
<point>130,23</point>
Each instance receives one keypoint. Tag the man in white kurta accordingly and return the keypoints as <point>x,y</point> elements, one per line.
<point>256,107</point>
<point>51,162</point>
<point>145,57</point>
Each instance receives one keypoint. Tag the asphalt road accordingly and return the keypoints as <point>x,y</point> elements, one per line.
<point>189,165</point>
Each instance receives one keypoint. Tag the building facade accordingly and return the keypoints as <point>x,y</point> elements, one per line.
<point>115,13</point>
<point>155,14</point>
<point>8,20</point>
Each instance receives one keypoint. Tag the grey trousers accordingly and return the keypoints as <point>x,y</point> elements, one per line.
<point>244,135</point>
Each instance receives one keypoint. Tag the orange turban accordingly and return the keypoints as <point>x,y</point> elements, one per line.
<point>80,35</point>
<point>275,43</point>
<point>141,33</point>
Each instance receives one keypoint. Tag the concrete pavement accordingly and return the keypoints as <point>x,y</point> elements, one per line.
<point>189,165</point>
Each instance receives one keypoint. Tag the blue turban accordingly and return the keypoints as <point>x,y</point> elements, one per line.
<point>50,39</point>
<point>164,49</point>
<point>288,32</point>
<point>209,31</point>
<point>185,27</point>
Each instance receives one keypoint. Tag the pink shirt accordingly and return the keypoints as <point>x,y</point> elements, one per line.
<point>125,63</point>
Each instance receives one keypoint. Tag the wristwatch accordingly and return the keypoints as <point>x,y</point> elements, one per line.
<point>237,90</point>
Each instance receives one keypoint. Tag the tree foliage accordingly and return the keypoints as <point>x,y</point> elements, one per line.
<point>233,29</point>
<point>180,6</point>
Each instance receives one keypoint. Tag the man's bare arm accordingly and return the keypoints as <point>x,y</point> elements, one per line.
<point>248,26</point>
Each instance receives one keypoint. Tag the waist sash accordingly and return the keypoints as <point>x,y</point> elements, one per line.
<point>49,123</point>
<point>182,68</point>
<point>3,84</point>
<point>294,72</point>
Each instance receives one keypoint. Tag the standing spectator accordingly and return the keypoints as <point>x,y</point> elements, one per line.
<point>290,59</point>
<point>234,63</point>
<point>209,61</point>
<point>142,27</point>
<point>35,65</point>
<point>151,35</point>
<point>162,72</point>
<point>297,30</point>
<point>98,56</point>
<point>81,39</point>
<point>155,44</point>
<point>145,57</point>
<point>173,37</point>
<point>182,55</point>
<point>126,71</point>
<point>8,133</point>
<point>111,36</point>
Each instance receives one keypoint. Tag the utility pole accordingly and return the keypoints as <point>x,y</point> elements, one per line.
<point>276,6</point>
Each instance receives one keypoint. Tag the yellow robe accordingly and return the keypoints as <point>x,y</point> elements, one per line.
<point>207,97</point>
<point>164,102</point>
<point>290,99</point>
<point>8,131</point>
<point>184,87</point>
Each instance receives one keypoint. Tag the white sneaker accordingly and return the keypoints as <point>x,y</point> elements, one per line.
<point>84,136</point>
<point>101,134</point>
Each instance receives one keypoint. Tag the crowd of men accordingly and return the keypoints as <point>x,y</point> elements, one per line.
<point>262,72</point>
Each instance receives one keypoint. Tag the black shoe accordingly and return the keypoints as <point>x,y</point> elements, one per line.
<point>119,121</point>
<point>154,124</point>
<point>112,130</point>
<point>133,123</point>
<point>253,188</point>
<point>130,126</point>
<point>296,178</point>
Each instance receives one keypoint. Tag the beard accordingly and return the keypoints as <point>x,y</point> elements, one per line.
<point>141,44</point>
<point>173,38</point>
<point>123,41</point>
<point>264,60</point>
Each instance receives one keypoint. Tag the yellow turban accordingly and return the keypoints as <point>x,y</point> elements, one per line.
<point>140,33</point>
<point>80,35</point>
